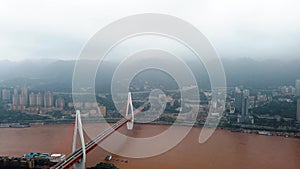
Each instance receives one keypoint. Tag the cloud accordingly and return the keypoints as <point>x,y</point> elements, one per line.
<point>59,29</point>
<point>18,45</point>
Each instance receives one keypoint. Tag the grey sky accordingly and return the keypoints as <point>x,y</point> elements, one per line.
<point>54,29</point>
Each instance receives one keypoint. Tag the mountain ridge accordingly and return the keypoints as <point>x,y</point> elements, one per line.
<point>242,71</point>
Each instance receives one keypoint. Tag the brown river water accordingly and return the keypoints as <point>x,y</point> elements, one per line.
<point>224,150</point>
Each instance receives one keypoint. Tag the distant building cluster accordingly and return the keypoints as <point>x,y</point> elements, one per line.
<point>242,105</point>
<point>21,99</point>
<point>89,109</point>
<point>288,90</point>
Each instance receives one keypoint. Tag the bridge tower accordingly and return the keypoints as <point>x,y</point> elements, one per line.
<point>78,129</point>
<point>131,116</point>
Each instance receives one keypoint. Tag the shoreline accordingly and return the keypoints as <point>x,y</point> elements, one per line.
<point>247,129</point>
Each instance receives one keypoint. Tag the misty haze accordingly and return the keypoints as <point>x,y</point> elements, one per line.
<point>150,84</point>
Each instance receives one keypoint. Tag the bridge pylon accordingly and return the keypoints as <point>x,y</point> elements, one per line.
<point>78,129</point>
<point>131,116</point>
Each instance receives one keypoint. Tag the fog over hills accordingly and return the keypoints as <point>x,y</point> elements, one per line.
<point>56,75</point>
<point>261,74</point>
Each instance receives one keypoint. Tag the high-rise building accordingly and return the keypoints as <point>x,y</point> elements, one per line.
<point>232,107</point>
<point>297,86</point>
<point>240,96</point>
<point>32,100</point>
<point>298,110</point>
<point>39,100</point>
<point>15,99</point>
<point>24,90</point>
<point>22,100</point>
<point>24,96</point>
<point>251,102</point>
<point>6,95</point>
<point>16,91</point>
<point>245,106</point>
<point>242,102</point>
<point>238,101</point>
<point>60,103</point>
<point>48,99</point>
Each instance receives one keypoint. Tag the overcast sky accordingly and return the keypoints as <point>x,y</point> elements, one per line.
<point>237,28</point>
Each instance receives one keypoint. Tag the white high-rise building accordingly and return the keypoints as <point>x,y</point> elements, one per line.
<point>24,91</point>
<point>22,100</point>
<point>48,99</point>
<point>32,100</point>
<point>16,91</point>
<point>24,96</point>
<point>15,99</point>
<point>6,95</point>
<point>39,100</point>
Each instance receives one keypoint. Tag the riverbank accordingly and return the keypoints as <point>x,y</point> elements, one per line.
<point>248,129</point>
<point>39,163</point>
<point>24,163</point>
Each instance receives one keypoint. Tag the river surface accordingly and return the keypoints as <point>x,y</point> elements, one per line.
<point>224,150</point>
